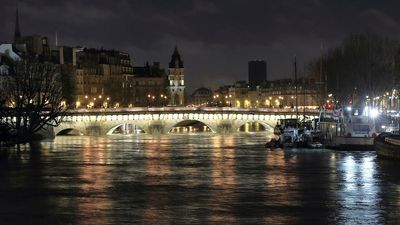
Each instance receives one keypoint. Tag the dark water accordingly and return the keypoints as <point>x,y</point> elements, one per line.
<point>194,179</point>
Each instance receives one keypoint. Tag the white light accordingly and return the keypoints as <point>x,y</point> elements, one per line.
<point>348,108</point>
<point>374,113</point>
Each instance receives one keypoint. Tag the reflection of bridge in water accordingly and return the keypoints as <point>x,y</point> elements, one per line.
<point>163,120</point>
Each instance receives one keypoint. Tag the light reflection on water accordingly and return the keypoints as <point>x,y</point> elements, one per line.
<point>192,179</point>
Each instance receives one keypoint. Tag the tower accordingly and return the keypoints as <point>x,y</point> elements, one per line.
<point>17,32</point>
<point>176,79</point>
<point>257,72</point>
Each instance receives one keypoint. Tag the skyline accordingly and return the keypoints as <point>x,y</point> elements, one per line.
<point>216,43</point>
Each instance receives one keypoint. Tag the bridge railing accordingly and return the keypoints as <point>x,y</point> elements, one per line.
<point>190,109</point>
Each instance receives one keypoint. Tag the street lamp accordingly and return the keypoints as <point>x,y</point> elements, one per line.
<point>148,100</point>
<point>86,99</point>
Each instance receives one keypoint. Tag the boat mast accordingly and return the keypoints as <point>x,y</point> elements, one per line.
<point>321,83</point>
<point>304,95</point>
<point>295,87</point>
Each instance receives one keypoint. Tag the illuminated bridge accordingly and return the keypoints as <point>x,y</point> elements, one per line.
<point>163,120</point>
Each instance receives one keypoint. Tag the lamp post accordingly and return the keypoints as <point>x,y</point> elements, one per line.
<point>107,102</point>
<point>94,102</point>
<point>86,101</point>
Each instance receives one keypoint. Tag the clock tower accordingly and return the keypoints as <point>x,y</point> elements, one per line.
<point>176,80</point>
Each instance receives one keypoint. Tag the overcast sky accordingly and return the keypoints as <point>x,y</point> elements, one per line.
<point>216,38</point>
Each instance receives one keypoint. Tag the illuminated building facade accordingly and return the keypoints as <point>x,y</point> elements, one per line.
<point>275,94</point>
<point>102,78</point>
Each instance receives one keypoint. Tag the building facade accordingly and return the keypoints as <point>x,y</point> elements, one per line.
<point>148,85</point>
<point>99,77</point>
<point>274,94</point>
<point>201,97</point>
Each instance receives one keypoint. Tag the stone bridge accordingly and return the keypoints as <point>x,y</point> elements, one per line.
<point>162,120</point>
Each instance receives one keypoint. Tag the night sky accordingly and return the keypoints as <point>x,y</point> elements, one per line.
<point>215,38</point>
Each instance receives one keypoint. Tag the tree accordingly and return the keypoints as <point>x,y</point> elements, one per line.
<point>363,65</point>
<point>32,99</point>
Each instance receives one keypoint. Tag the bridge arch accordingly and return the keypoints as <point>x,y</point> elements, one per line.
<point>169,127</point>
<point>266,125</point>
<point>135,128</point>
<point>69,131</point>
<point>110,126</point>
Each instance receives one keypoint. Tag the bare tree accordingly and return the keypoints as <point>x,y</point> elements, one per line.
<point>33,97</point>
<point>363,65</point>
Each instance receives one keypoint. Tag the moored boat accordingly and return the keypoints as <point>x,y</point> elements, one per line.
<point>315,144</point>
<point>350,143</point>
<point>273,143</point>
<point>293,137</point>
<point>387,145</point>
<point>284,123</point>
<point>354,133</point>
<point>289,137</point>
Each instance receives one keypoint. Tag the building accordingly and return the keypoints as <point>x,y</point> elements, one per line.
<point>222,97</point>
<point>274,94</point>
<point>10,51</point>
<point>100,77</point>
<point>5,70</point>
<point>257,72</point>
<point>148,85</point>
<point>176,80</point>
<point>282,94</point>
<point>201,97</point>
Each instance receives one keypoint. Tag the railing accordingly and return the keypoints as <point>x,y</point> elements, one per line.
<point>189,109</point>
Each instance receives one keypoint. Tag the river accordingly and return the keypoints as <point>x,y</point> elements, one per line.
<point>193,179</point>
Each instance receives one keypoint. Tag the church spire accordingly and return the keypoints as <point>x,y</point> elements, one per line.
<point>17,32</point>
<point>176,60</point>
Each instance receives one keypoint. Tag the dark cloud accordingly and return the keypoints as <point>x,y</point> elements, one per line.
<point>216,38</point>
